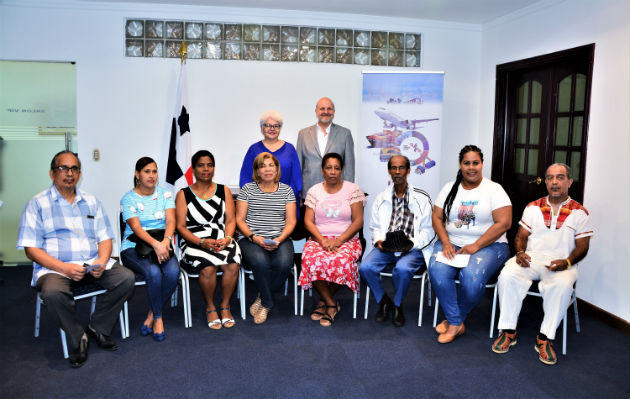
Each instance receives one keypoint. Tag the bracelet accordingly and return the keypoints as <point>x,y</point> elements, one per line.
<point>519,252</point>
<point>201,242</point>
<point>231,240</point>
<point>568,263</point>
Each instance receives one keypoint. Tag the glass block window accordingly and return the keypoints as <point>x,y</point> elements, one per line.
<point>252,42</point>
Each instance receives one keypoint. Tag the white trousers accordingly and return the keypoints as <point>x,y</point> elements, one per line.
<point>555,288</point>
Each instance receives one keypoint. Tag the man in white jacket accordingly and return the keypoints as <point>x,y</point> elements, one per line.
<point>404,212</point>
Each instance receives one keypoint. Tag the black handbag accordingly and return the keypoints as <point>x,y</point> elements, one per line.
<point>396,241</point>
<point>143,249</point>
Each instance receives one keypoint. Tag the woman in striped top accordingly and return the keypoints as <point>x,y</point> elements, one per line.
<point>265,215</point>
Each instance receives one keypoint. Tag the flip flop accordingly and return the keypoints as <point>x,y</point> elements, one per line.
<point>226,322</point>
<point>216,324</point>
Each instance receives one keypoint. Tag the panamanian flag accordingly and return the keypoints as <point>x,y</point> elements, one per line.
<point>179,172</point>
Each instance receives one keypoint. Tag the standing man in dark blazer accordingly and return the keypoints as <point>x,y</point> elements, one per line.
<point>324,137</point>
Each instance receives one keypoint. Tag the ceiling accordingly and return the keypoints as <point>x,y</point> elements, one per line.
<point>464,11</point>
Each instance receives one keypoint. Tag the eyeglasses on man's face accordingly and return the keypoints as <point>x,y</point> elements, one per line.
<point>65,169</point>
<point>274,126</point>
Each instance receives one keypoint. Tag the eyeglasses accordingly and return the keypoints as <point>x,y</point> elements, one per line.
<point>398,168</point>
<point>275,126</point>
<point>65,169</point>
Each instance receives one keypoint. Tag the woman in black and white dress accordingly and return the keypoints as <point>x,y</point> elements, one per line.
<point>206,224</point>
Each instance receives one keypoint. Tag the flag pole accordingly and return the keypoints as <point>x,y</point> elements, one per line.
<point>179,171</point>
<point>183,51</point>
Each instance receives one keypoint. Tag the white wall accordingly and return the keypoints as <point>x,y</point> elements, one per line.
<point>551,26</point>
<point>124,104</point>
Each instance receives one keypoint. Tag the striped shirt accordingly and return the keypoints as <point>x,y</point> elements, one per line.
<point>266,212</point>
<point>67,232</point>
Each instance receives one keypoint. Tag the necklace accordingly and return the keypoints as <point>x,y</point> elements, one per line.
<point>205,193</point>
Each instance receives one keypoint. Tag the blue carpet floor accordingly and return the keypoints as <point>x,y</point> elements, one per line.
<point>293,357</point>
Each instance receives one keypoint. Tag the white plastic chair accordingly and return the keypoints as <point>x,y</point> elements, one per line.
<point>81,292</point>
<point>185,276</point>
<point>423,279</point>
<point>139,279</point>
<point>241,288</point>
<point>573,301</point>
<point>299,245</point>
<point>494,305</point>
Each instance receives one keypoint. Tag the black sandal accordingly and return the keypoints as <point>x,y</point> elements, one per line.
<point>330,319</point>
<point>316,315</point>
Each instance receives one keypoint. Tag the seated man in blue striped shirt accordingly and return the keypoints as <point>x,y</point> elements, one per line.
<point>67,235</point>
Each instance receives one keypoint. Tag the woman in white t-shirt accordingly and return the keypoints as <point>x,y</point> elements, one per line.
<point>470,218</point>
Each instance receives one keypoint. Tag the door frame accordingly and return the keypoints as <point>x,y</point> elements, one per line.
<point>501,110</point>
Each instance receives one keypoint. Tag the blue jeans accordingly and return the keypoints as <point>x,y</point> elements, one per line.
<point>405,266</point>
<point>270,268</point>
<point>482,266</point>
<point>161,278</point>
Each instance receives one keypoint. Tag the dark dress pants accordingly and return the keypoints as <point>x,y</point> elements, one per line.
<point>56,292</point>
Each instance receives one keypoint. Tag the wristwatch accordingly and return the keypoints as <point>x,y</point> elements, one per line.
<point>251,237</point>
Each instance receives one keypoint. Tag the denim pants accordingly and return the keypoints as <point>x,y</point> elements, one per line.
<point>270,268</point>
<point>458,300</point>
<point>405,266</point>
<point>161,278</point>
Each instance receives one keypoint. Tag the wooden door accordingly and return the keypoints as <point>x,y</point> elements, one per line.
<point>541,117</point>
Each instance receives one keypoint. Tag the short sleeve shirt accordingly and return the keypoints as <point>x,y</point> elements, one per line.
<point>471,212</point>
<point>553,236</point>
<point>150,210</point>
<point>67,232</point>
<point>333,214</point>
<point>266,212</point>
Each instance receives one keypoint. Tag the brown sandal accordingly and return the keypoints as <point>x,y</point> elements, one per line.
<point>262,315</point>
<point>254,309</point>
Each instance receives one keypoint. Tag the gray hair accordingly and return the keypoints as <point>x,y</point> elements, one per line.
<point>566,168</point>
<point>273,114</point>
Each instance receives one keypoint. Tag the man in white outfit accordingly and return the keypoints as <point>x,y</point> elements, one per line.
<point>553,235</point>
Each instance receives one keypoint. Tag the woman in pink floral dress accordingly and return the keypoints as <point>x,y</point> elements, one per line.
<point>333,217</point>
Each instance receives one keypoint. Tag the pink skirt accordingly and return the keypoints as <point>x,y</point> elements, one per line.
<point>323,265</point>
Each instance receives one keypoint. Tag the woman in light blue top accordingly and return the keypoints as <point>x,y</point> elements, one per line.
<point>148,208</point>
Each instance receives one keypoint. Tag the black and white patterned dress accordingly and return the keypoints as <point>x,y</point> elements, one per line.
<point>206,219</point>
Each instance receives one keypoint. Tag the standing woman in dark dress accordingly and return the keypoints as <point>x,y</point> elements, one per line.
<point>206,224</point>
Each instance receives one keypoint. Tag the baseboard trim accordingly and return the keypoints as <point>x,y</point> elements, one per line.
<point>604,316</point>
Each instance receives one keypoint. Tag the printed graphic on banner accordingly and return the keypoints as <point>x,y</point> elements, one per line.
<point>401,114</point>
<point>408,108</point>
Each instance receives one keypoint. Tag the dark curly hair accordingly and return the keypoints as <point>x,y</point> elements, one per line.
<point>448,203</point>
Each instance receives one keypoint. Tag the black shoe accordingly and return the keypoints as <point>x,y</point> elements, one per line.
<point>78,356</point>
<point>398,318</point>
<point>103,341</point>
<point>384,308</point>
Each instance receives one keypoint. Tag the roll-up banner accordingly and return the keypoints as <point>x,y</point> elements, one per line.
<point>401,113</point>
